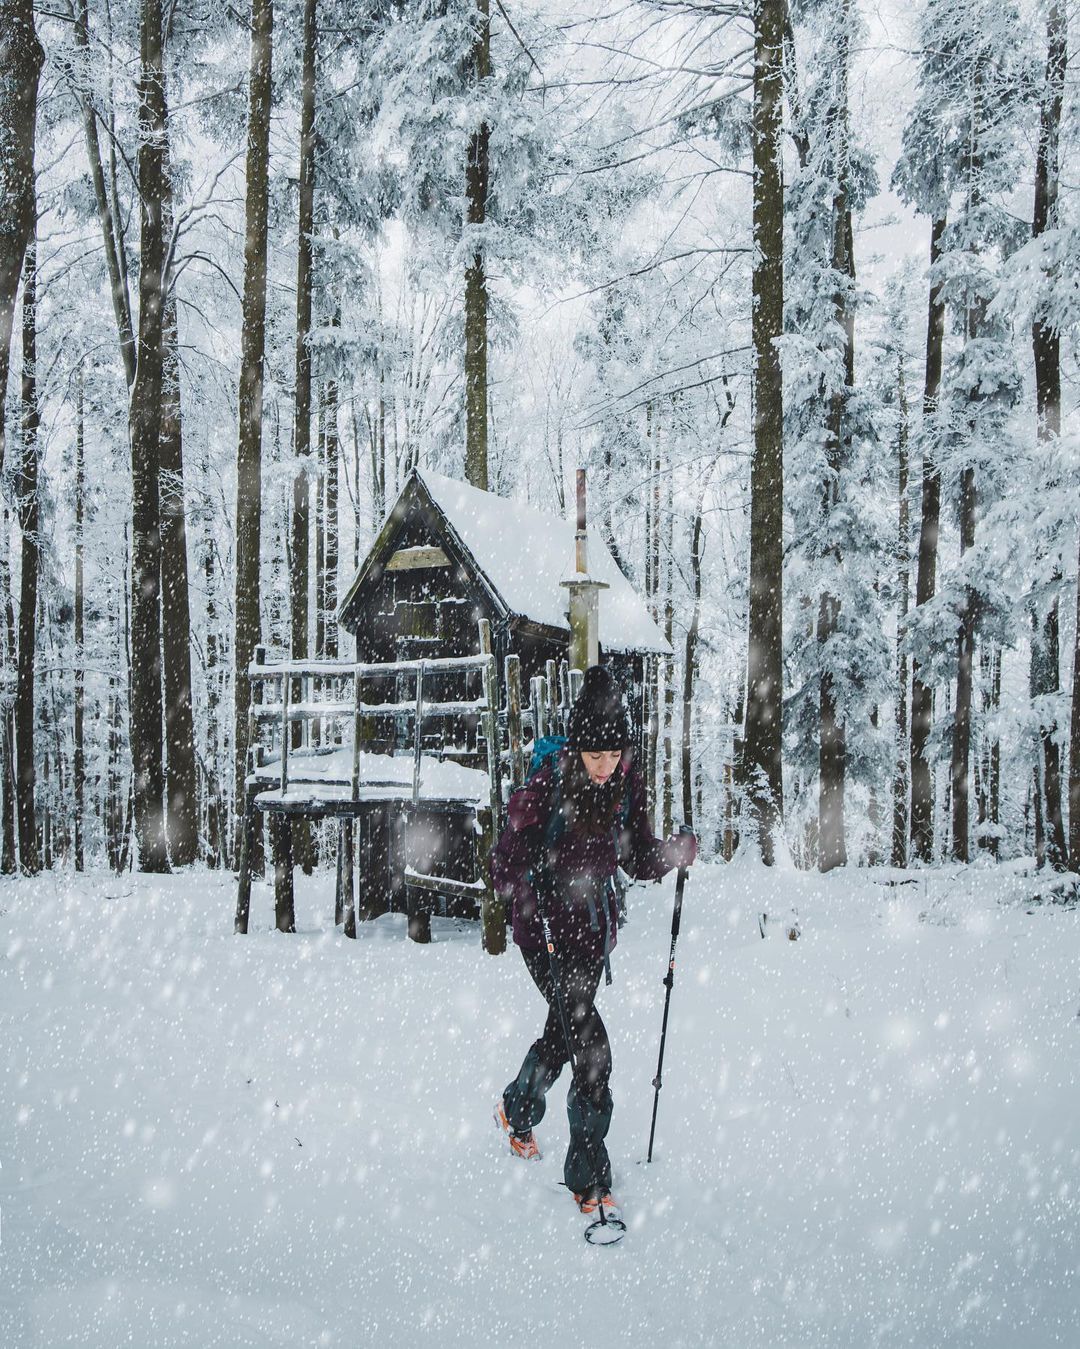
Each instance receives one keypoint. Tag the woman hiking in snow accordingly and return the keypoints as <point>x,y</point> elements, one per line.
<point>578,818</point>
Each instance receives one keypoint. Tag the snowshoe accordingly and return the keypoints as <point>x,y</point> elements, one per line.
<point>606,1225</point>
<point>521,1145</point>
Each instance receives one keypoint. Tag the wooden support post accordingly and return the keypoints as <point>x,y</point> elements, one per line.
<point>243,888</point>
<point>554,726</point>
<point>281,848</point>
<point>418,914</point>
<point>358,688</point>
<point>494,747</point>
<point>339,878</point>
<point>348,867</point>
<point>492,909</point>
<point>375,846</point>
<point>417,733</point>
<point>513,720</point>
<point>565,699</point>
<point>539,704</point>
<point>286,698</point>
<point>577,678</point>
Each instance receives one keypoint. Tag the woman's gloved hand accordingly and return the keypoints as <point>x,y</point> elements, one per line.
<point>681,849</point>
<point>524,810</point>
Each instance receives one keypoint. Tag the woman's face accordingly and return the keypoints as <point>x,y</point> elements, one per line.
<point>600,764</point>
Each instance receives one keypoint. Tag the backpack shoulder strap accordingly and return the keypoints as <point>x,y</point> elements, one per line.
<point>556,823</point>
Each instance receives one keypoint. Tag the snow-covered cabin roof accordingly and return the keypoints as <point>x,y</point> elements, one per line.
<point>523,554</point>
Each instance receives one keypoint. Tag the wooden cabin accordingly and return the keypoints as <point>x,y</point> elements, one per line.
<point>459,607</point>
<point>449,554</point>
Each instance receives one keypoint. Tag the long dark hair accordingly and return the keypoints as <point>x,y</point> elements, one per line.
<point>590,808</point>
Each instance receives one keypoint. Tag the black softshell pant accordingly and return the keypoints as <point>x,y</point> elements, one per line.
<point>588,1104</point>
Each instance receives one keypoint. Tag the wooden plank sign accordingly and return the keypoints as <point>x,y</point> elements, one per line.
<point>414,559</point>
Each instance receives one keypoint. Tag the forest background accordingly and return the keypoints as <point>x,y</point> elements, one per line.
<point>794,280</point>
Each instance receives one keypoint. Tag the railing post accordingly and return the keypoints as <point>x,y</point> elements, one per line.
<point>286,700</point>
<point>417,741</point>
<point>513,720</point>
<point>577,678</point>
<point>534,707</point>
<point>554,726</point>
<point>492,912</point>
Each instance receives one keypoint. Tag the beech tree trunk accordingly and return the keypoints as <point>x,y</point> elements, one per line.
<point>249,436</point>
<point>21,58</point>
<point>762,749</point>
<point>667,817</point>
<point>300,541</point>
<point>181,783</point>
<point>212,787</point>
<point>690,650</point>
<point>147,743</point>
<point>1046,346</point>
<point>330,506</point>
<point>903,563</point>
<point>965,675</point>
<point>922,695</point>
<point>110,233</point>
<point>476,303</point>
<point>9,851</point>
<point>29,508</point>
<point>79,765</point>
<point>832,754</point>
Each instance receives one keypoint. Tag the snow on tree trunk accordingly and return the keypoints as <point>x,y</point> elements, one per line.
<point>922,695</point>
<point>300,537</point>
<point>476,299</point>
<point>762,737</point>
<point>21,58</point>
<point>1046,347</point>
<point>29,508</point>
<point>79,748</point>
<point>249,437</point>
<point>147,744</point>
<point>181,783</point>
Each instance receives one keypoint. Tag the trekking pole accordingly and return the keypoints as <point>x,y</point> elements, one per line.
<point>615,1224</point>
<point>669,981</point>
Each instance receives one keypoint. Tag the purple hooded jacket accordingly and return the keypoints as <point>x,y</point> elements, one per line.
<point>582,863</point>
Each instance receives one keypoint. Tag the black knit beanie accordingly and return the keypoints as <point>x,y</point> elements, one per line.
<point>598,719</point>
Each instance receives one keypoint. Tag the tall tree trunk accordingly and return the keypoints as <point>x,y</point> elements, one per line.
<point>8,855</point>
<point>80,633</point>
<point>181,783</point>
<point>111,238</point>
<point>330,577</point>
<point>922,695</point>
<point>29,506</point>
<point>903,563</point>
<point>320,531</point>
<point>21,58</point>
<point>212,775</point>
<point>300,537</point>
<point>300,542</point>
<point>249,437</point>
<point>1046,345</point>
<point>762,748</point>
<point>690,651</point>
<point>832,754</point>
<point>476,302</point>
<point>652,593</point>
<point>965,675</point>
<point>669,661</point>
<point>147,744</point>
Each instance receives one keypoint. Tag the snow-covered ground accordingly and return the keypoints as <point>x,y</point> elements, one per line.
<point>870,1136</point>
